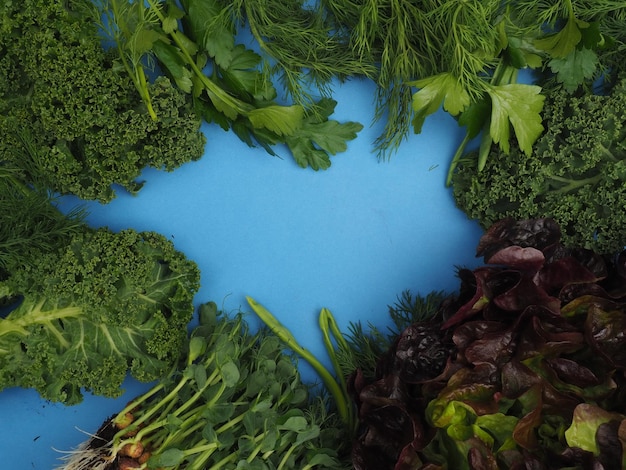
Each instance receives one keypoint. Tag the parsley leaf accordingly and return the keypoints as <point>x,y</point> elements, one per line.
<point>283,120</point>
<point>215,36</point>
<point>442,88</point>
<point>517,105</point>
<point>572,70</point>
<point>565,41</point>
<point>318,136</point>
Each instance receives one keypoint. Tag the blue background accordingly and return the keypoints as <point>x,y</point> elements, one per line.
<point>350,238</point>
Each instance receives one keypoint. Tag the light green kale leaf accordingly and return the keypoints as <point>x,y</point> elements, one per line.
<point>90,312</point>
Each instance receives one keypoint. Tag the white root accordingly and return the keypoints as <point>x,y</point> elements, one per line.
<point>93,454</point>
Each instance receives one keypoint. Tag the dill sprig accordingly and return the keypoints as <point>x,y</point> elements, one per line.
<point>30,221</point>
<point>364,347</point>
<point>307,49</point>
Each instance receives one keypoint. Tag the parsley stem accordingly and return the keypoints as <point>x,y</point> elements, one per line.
<point>219,97</point>
<point>457,157</point>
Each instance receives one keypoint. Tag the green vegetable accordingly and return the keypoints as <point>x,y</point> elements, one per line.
<point>70,115</point>
<point>575,174</point>
<point>521,368</point>
<point>335,385</point>
<point>86,306</point>
<point>237,401</point>
<point>30,222</point>
<point>196,47</point>
<point>462,56</point>
<point>351,352</point>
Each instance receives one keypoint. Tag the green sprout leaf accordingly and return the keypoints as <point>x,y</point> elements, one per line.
<point>168,458</point>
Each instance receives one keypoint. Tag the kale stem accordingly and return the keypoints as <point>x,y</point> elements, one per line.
<point>573,184</point>
<point>608,153</point>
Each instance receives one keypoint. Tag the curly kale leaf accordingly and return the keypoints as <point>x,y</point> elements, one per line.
<point>88,313</point>
<point>576,173</point>
<point>89,128</point>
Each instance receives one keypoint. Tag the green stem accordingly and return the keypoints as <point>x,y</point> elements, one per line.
<point>457,157</point>
<point>166,402</point>
<point>219,97</point>
<point>35,315</point>
<point>329,326</point>
<point>572,184</point>
<point>285,458</point>
<point>285,335</point>
<point>135,71</point>
<point>210,380</point>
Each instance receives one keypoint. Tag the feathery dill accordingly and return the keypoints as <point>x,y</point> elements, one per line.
<point>29,219</point>
<point>307,48</point>
<point>365,348</point>
<point>408,40</point>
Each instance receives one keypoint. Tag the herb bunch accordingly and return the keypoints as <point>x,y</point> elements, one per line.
<point>194,44</point>
<point>462,56</point>
<point>575,173</point>
<point>84,306</point>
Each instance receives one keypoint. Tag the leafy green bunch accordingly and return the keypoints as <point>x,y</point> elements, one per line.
<point>462,56</point>
<point>196,47</point>
<point>478,83</point>
<point>236,401</point>
<point>82,307</point>
<point>575,174</point>
<point>71,117</point>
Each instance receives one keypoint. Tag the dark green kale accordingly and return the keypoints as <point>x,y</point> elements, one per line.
<point>82,307</point>
<point>69,109</point>
<point>576,173</point>
<point>88,313</point>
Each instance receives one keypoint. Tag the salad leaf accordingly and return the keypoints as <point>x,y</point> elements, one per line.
<point>532,371</point>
